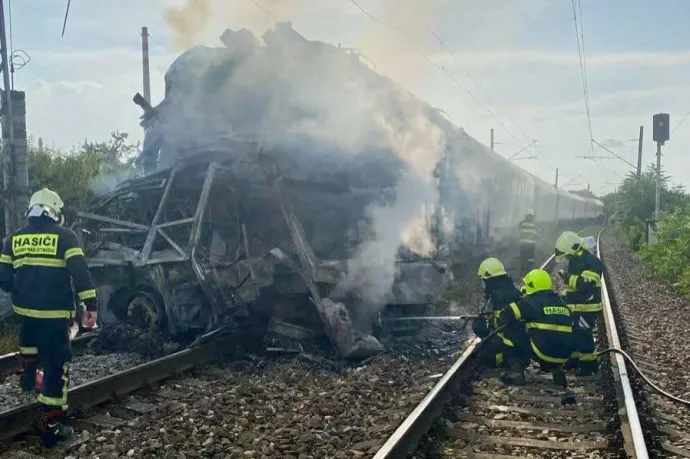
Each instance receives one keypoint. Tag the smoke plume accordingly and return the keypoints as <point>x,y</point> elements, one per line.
<point>399,43</point>
<point>347,105</point>
<point>188,21</point>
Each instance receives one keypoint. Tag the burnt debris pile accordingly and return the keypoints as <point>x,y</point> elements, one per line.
<point>123,339</point>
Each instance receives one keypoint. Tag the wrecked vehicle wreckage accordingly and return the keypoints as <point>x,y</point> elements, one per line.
<point>257,197</point>
<point>219,240</point>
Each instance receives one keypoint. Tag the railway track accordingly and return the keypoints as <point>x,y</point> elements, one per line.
<point>9,361</point>
<point>654,319</point>
<point>88,402</point>
<point>21,419</point>
<point>480,418</point>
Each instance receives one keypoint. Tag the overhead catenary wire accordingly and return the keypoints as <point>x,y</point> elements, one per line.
<point>442,68</point>
<point>579,38</point>
<point>582,56</point>
<point>680,122</point>
<point>64,22</point>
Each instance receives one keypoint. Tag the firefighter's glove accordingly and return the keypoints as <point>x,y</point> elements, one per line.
<point>480,328</point>
<point>90,316</point>
<point>89,319</point>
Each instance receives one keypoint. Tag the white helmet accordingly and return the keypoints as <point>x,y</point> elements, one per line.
<point>45,202</point>
<point>529,212</point>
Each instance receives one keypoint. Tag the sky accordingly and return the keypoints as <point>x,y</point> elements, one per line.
<point>509,65</point>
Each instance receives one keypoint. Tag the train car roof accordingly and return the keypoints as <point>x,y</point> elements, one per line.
<point>440,118</point>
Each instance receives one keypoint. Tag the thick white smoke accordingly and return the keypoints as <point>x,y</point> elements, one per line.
<point>354,112</point>
<point>372,271</point>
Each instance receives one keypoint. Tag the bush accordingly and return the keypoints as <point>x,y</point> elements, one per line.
<point>635,234</point>
<point>669,258</point>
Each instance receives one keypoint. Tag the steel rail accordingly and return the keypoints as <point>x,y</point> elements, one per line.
<point>405,438</point>
<point>10,361</point>
<point>633,436</point>
<point>21,419</point>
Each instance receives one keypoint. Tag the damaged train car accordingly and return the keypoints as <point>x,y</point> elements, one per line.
<point>232,235</point>
<point>262,165</point>
<point>261,170</point>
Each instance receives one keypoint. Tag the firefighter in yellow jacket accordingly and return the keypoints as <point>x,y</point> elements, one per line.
<point>549,331</point>
<point>583,296</point>
<point>499,291</point>
<point>36,266</point>
<point>529,238</point>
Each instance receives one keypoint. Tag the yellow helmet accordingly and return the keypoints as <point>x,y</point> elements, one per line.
<point>568,243</point>
<point>45,201</point>
<point>491,267</point>
<point>535,281</point>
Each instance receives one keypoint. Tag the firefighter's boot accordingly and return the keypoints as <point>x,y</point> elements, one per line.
<point>560,380</point>
<point>568,398</point>
<point>52,430</point>
<point>587,368</point>
<point>515,376</point>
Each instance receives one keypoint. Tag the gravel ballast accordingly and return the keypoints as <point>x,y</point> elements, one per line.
<point>83,368</point>
<point>656,325</point>
<point>493,419</point>
<point>288,407</point>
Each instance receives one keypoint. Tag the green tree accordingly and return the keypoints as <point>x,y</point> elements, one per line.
<point>74,175</point>
<point>635,199</point>
<point>668,258</point>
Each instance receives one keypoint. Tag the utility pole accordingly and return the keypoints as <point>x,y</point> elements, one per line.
<point>145,63</point>
<point>15,179</point>
<point>658,181</point>
<point>558,196</point>
<point>492,139</point>
<point>639,152</point>
<point>660,134</point>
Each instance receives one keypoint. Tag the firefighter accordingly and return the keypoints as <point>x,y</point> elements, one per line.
<point>548,323</point>
<point>590,244</point>
<point>528,241</point>
<point>36,265</point>
<point>583,296</point>
<point>499,291</point>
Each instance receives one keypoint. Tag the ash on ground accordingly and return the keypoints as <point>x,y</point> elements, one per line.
<point>123,339</point>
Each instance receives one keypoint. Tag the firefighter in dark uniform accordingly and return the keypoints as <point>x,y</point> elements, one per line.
<point>499,291</point>
<point>36,265</point>
<point>549,331</point>
<point>583,296</point>
<point>529,238</point>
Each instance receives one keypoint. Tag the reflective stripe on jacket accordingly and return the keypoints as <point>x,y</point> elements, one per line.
<point>583,283</point>
<point>38,264</point>
<point>548,323</point>
<point>528,233</point>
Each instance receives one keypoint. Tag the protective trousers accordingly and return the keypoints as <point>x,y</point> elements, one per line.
<point>524,353</point>
<point>46,342</point>
<point>584,358</point>
<point>527,256</point>
<point>490,353</point>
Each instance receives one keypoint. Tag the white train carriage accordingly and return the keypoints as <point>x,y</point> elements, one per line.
<point>502,191</point>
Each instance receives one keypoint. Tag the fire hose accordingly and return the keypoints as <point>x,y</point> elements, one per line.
<point>609,350</point>
<point>644,377</point>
